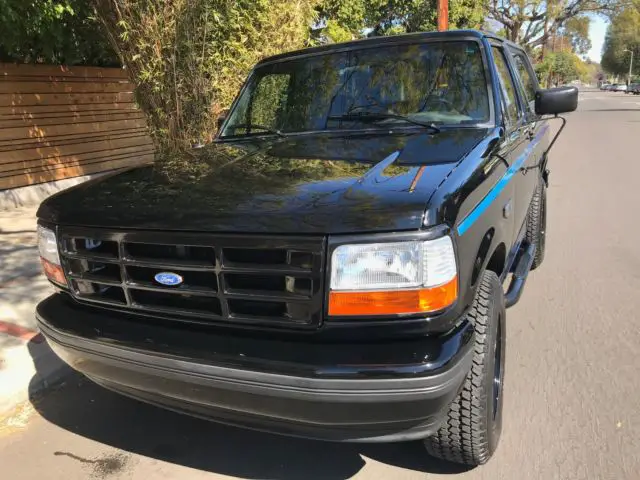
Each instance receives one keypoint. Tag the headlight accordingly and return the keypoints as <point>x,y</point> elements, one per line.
<point>393,278</point>
<point>48,248</point>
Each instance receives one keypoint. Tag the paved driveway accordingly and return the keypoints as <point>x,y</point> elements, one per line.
<point>21,282</point>
<point>572,404</point>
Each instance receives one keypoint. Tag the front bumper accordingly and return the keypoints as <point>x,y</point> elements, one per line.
<point>392,391</point>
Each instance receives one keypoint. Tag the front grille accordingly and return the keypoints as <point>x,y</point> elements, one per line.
<point>225,278</point>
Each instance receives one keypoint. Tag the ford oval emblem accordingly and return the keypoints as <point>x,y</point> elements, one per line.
<point>168,278</point>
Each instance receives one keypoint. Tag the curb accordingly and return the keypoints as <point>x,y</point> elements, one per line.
<point>27,370</point>
<point>33,195</point>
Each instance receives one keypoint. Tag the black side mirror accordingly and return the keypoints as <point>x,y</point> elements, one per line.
<point>221,118</point>
<point>553,101</point>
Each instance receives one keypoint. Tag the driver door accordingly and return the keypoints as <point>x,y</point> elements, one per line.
<point>516,139</point>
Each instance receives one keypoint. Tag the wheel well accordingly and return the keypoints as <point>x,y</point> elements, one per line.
<point>497,260</point>
<point>483,251</point>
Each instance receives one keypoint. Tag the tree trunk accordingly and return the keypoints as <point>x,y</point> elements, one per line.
<point>513,32</point>
<point>544,36</point>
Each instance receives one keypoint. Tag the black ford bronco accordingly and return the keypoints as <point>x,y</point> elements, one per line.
<point>337,263</point>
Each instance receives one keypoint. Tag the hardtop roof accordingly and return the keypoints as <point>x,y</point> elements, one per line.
<point>384,40</point>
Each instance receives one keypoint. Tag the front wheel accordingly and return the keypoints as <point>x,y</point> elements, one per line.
<point>472,430</point>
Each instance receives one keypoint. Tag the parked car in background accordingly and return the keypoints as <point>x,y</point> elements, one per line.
<point>620,87</point>
<point>605,86</point>
<point>634,88</point>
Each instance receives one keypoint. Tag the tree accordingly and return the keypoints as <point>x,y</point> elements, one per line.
<point>188,58</point>
<point>54,32</point>
<point>340,20</point>
<point>357,18</point>
<point>623,34</point>
<point>577,31</point>
<point>559,68</point>
<point>531,23</point>
<point>588,72</point>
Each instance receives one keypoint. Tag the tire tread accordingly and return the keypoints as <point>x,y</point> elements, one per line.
<point>464,438</point>
<point>534,224</point>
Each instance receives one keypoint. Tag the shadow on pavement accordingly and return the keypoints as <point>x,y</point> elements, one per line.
<point>86,409</point>
<point>49,369</point>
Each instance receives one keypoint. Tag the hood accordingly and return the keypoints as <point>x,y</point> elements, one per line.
<point>305,184</point>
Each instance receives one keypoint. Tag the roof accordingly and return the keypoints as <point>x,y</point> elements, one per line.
<point>369,42</point>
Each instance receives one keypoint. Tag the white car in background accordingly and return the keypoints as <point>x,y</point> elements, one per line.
<point>621,87</point>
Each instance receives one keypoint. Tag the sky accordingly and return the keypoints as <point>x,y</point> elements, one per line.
<point>597,31</point>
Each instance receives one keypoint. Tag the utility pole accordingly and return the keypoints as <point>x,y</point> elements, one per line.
<point>630,65</point>
<point>443,15</point>
<point>443,26</point>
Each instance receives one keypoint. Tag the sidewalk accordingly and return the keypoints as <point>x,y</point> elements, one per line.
<point>27,364</point>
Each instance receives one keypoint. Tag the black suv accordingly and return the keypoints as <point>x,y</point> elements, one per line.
<point>337,263</point>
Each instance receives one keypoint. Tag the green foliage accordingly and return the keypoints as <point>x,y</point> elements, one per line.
<point>623,34</point>
<point>188,58</point>
<point>577,29</point>
<point>348,16</point>
<point>334,32</point>
<point>560,68</point>
<point>588,72</point>
<point>54,32</point>
<point>390,17</point>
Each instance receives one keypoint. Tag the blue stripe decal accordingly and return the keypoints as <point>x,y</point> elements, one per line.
<point>495,191</point>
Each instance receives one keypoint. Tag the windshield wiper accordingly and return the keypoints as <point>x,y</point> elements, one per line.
<point>251,126</point>
<point>373,116</point>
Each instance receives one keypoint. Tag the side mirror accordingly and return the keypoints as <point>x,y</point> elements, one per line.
<point>222,117</point>
<point>553,101</point>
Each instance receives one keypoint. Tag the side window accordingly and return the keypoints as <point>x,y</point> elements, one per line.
<point>507,86</point>
<point>528,81</point>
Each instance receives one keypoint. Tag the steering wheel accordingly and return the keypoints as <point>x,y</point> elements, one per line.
<point>440,104</point>
<point>369,108</point>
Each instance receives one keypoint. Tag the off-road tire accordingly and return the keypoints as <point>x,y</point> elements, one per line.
<point>472,430</point>
<point>537,223</point>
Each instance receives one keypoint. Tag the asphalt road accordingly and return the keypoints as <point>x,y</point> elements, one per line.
<point>572,400</point>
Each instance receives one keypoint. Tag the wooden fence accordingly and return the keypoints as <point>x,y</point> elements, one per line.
<point>58,122</point>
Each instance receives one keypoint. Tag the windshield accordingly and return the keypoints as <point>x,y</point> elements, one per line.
<point>434,82</point>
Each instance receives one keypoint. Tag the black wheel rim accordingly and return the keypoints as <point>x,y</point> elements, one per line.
<point>497,370</point>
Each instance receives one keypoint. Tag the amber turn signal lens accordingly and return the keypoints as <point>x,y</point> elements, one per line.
<point>53,272</point>
<point>393,302</point>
